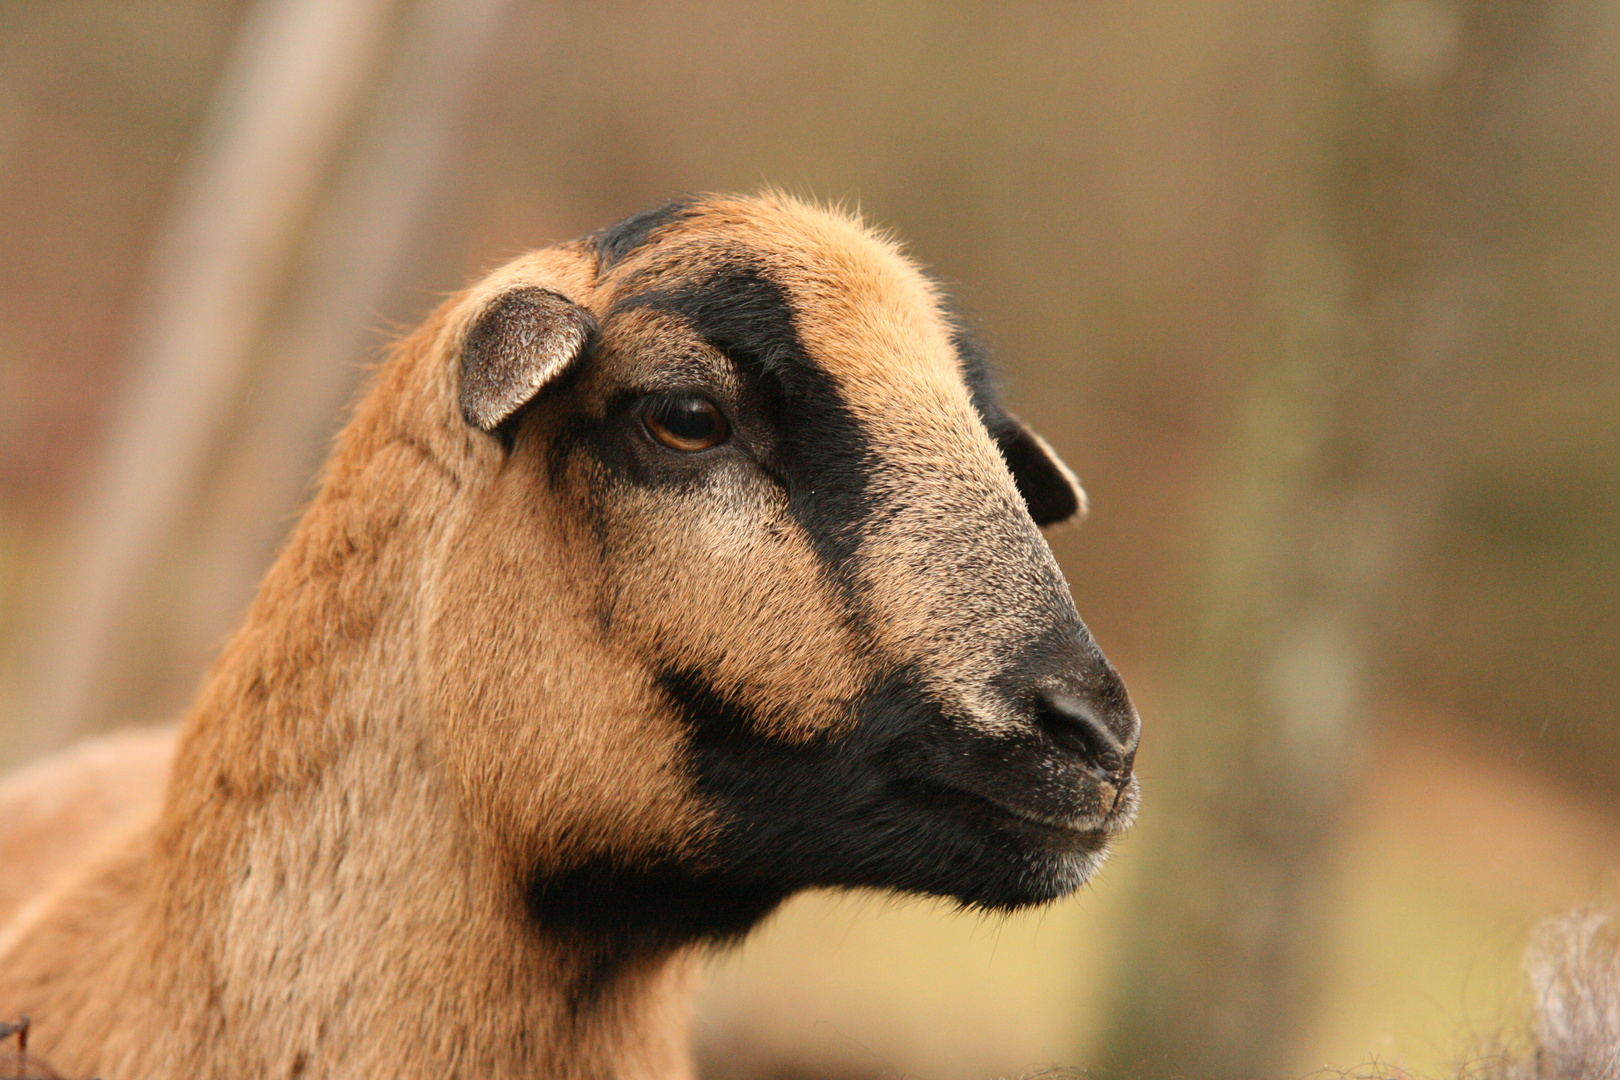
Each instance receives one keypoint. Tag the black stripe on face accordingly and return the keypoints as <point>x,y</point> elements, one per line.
<point>866,809</point>
<point>823,456</point>
<point>617,241</point>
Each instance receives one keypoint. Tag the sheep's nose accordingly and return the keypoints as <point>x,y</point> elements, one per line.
<point>1080,727</point>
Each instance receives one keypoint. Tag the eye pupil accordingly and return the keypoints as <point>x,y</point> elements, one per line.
<point>686,423</point>
<point>689,419</point>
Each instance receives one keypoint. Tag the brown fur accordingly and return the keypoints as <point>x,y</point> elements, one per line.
<point>446,682</point>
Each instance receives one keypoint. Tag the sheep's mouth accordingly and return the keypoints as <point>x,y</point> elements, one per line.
<point>1079,830</point>
<point>1019,788</point>
<point>1112,822</point>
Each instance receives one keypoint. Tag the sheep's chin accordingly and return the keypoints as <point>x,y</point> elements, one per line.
<point>1038,859</point>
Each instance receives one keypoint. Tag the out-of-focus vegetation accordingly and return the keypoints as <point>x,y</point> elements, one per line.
<point>1318,299</point>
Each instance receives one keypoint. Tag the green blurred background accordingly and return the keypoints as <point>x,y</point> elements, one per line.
<point>1319,300</point>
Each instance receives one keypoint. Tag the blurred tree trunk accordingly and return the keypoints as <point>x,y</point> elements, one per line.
<point>288,92</point>
<point>1380,275</point>
<point>255,338</point>
<point>361,242</point>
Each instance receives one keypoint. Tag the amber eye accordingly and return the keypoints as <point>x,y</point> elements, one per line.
<point>685,423</point>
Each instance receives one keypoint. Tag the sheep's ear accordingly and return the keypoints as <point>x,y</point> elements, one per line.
<point>521,342</point>
<point>1050,490</point>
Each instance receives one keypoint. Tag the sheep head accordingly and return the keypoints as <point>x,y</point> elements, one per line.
<point>743,589</point>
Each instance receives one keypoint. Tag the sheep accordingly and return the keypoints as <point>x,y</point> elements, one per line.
<point>658,576</point>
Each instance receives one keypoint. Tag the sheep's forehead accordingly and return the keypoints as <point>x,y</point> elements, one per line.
<point>859,309</point>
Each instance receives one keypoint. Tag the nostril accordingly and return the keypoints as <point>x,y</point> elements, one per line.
<point>1075,724</point>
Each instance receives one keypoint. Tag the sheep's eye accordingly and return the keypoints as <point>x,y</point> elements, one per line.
<point>685,423</point>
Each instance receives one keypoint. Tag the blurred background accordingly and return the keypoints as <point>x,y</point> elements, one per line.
<point>1319,300</point>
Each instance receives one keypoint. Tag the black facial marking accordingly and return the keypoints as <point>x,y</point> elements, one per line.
<point>911,799</point>
<point>617,241</point>
<point>658,901</point>
<point>875,807</point>
<point>826,457</point>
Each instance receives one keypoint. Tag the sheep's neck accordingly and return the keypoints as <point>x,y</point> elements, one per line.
<point>353,930</point>
<point>325,907</point>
